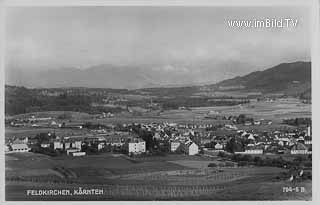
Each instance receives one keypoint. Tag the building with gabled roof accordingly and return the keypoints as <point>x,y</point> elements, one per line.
<point>190,148</point>
<point>20,148</point>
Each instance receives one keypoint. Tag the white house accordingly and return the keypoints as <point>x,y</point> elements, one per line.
<point>253,151</point>
<point>115,141</point>
<point>309,131</point>
<point>20,148</point>
<point>218,146</point>
<point>77,154</point>
<point>71,150</point>
<point>101,146</point>
<point>136,146</point>
<point>45,145</point>
<point>174,146</point>
<point>307,140</point>
<point>57,145</point>
<point>283,141</point>
<point>76,144</point>
<point>190,148</point>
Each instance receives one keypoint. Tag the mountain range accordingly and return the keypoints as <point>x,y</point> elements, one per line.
<point>126,77</point>
<point>289,78</point>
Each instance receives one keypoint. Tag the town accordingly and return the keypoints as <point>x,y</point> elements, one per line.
<point>135,139</point>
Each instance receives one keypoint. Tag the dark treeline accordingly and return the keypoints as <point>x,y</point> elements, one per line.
<point>245,160</point>
<point>176,102</point>
<point>297,121</point>
<point>19,100</point>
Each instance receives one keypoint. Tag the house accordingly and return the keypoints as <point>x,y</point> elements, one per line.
<point>218,146</point>
<point>136,146</point>
<point>300,148</point>
<point>71,150</point>
<point>45,145</point>
<point>190,148</point>
<point>101,145</point>
<point>76,144</point>
<point>20,148</point>
<point>308,140</point>
<point>253,151</point>
<point>67,145</point>
<point>57,145</point>
<point>77,154</point>
<point>115,141</point>
<point>174,145</point>
<point>283,141</point>
<point>21,140</point>
<point>300,139</point>
<point>309,131</point>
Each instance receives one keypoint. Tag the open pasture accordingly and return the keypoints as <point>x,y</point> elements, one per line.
<point>91,168</point>
<point>134,179</point>
<point>273,110</point>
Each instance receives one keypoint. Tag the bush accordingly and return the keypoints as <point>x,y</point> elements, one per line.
<point>299,159</point>
<point>229,164</point>
<point>242,163</point>
<point>212,165</point>
<point>247,158</point>
<point>221,154</point>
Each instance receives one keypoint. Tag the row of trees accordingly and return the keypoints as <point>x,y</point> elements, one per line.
<point>176,102</point>
<point>297,121</point>
<point>244,160</point>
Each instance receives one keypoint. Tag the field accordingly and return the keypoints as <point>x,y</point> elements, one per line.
<point>171,177</point>
<point>270,110</point>
<point>276,111</point>
<point>176,177</point>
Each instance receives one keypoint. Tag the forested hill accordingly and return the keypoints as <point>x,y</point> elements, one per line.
<point>287,77</point>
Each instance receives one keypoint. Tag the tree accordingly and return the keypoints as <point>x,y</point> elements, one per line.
<point>234,145</point>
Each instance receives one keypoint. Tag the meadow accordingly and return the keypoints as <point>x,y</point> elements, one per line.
<point>172,177</point>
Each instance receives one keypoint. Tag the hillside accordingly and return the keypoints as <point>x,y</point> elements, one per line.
<point>292,79</point>
<point>288,78</point>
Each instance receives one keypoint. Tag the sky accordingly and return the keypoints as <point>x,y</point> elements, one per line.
<point>169,38</point>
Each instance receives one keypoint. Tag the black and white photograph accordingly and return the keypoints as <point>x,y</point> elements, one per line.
<point>163,102</point>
